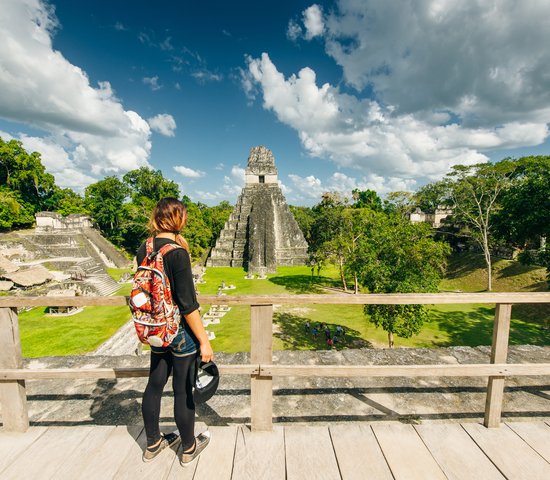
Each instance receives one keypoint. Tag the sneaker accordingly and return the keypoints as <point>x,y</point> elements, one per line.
<point>167,440</point>
<point>200,444</point>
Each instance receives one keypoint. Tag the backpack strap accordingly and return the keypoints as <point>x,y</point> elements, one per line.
<point>150,253</point>
<point>149,246</point>
<point>168,248</point>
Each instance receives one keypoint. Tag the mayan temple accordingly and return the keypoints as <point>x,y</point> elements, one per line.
<point>261,233</point>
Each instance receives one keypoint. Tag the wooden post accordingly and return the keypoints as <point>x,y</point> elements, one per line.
<point>261,350</point>
<point>13,396</point>
<point>499,353</point>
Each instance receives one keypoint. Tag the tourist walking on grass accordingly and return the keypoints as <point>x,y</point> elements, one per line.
<point>167,221</point>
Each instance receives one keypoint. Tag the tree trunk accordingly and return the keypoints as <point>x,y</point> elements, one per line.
<point>390,339</point>
<point>355,284</point>
<point>342,276</point>
<point>487,254</point>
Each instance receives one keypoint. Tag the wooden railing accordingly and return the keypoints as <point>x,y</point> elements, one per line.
<point>261,369</point>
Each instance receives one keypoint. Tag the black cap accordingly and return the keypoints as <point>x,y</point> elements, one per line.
<point>207,379</point>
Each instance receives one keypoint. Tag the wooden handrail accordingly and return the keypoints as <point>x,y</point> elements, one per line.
<point>261,370</point>
<point>9,374</point>
<point>265,370</point>
<point>335,299</point>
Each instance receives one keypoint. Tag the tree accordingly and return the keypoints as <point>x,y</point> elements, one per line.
<point>327,232</point>
<point>397,256</point>
<point>13,212</point>
<point>355,224</point>
<point>338,229</point>
<point>25,184</point>
<point>305,217</point>
<point>215,218</point>
<point>145,187</point>
<point>429,197</point>
<point>196,231</point>
<point>104,200</point>
<point>517,221</point>
<point>65,201</point>
<point>399,202</point>
<point>475,191</point>
<point>366,199</point>
<point>24,173</point>
<point>150,184</point>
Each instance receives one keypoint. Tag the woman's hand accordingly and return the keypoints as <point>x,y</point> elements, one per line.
<point>195,323</point>
<point>207,354</point>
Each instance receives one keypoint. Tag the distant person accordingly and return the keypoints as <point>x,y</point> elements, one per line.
<point>315,332</point>
<point>327,333</point>
<point>167,221</point>
<point>307,326</point>
<point>330,342</point>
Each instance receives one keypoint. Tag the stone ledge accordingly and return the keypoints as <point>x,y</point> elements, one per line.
<point>299,400</point>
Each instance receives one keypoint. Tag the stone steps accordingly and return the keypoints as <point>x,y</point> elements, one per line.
<point>123,342</point>
<point>260,206</point>
<point>103,283</point>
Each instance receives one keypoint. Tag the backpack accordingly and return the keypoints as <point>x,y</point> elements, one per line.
<point>156,317</point>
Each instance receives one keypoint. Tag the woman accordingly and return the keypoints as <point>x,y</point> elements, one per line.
<point>167,221</point>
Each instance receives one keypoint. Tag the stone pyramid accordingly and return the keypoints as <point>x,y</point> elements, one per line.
<point>261,233</point>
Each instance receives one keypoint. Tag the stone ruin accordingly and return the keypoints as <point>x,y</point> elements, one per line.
<point>261,232</point>
<point>54,221</point>
<point>434,219</point>
<point>75,254</point>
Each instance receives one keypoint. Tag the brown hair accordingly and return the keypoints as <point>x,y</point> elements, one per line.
<point>170,215</point>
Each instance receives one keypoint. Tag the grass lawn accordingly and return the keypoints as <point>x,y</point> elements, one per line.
<point>468,325</point>
<point>116,273</point>
<point>45,335</point>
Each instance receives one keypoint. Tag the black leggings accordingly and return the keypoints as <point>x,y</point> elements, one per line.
<point>184,407</point>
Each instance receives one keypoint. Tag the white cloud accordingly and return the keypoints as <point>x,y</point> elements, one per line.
<point>297,102</point>
<point>57,161</point>
<point>188,172</point>
<point>485,61</point>
<point>40,87</point>
<point>293,31</point>
<point>204,75</point>
<point>247,82</point>
<point>220,166</point>
<point>163,123</point>
<point>284,188</point>
<point>309,189</point>
<point>152,82</point>
<point>363,133</point>
<point>237,173</point>
<point>203,195</point>
<point>313,21</point>
<point>166,45</point>
<point>6,136</point>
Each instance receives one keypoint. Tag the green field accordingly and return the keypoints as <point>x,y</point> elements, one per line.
<point>468,325</point>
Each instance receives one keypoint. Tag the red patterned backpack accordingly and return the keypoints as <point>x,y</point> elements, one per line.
<point>155,316</point>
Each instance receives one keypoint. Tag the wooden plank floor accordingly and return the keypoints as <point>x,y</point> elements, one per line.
<point>344,451</point>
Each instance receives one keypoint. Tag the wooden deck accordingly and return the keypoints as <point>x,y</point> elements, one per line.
<point>343,451</point>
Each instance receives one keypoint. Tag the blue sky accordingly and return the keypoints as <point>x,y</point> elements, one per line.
<point>347,94</point>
